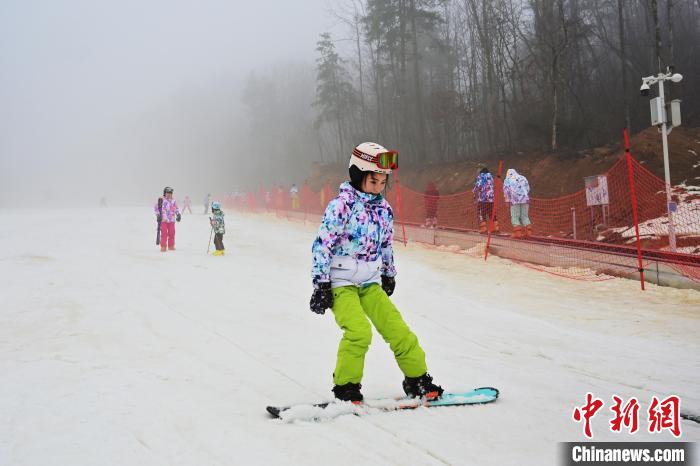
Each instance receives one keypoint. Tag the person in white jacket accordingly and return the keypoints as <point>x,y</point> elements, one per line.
<point>516,191</point>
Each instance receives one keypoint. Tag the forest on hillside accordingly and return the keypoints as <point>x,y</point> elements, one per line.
<point>450,80</point>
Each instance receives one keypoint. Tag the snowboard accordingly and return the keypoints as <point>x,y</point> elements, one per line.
<point>332,409</point>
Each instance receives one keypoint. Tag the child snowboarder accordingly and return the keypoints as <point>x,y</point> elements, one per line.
<point>483,192</point>
<point>294,196</point>
<point>217,223</point>
<point>207,198</point>
<point>353,274</point>
<point>516,190</point>
<point>167,213</point>
<point>187,205</point>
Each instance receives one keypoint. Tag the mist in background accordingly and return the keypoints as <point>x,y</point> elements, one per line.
<point>119,99</point>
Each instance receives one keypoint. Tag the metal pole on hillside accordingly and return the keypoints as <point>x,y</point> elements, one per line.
<point>659,118</point>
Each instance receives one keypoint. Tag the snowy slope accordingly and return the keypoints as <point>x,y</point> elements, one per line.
<point>686,220</point>
<point>112,353</point>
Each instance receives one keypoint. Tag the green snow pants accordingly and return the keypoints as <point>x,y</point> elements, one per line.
<point>519,214</point>
<point>354,308</point>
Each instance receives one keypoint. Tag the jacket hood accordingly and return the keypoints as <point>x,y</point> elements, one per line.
<point>485,177</point>
<point>513,177</point>
<point>349,194</point>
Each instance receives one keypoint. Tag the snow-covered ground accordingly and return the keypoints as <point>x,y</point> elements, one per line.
<point>112,353</point>
<point>686,220</point>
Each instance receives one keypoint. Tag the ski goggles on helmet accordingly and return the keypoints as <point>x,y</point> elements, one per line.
<point>384,160</point>
<point>167,190</point>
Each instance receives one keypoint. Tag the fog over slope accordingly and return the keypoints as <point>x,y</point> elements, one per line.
<point>118,99</point>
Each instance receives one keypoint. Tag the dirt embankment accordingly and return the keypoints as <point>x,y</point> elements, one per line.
<point>550,175</point>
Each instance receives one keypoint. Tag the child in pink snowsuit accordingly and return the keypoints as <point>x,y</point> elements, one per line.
<point>188,205</point>
<point>167,213</point>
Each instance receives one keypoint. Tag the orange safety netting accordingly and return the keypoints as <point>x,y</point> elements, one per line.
<point>588,235</point>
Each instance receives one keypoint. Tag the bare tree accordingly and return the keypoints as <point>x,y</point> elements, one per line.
<point>623,66</point>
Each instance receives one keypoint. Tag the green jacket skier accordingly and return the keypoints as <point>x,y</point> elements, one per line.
<point>219,227</point>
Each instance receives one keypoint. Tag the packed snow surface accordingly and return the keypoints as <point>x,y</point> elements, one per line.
<point>114,353</point>
<point>686,219</point>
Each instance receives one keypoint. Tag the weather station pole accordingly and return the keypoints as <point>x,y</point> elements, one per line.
<point>659,119</point>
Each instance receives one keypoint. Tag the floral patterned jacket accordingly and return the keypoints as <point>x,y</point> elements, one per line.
<point>357,225</point>
<point>217,222</point>
<point>169,210</point>
<point>483,187</point>
<point>516,189</point>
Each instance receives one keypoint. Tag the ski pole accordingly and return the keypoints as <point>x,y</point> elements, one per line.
<point>210,233</point>
<point>160,215</point>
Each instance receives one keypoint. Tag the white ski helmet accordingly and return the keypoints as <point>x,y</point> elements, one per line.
<point>371,157</point>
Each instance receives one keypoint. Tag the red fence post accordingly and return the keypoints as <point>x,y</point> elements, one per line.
<point>496,189</point>
<point>633,194</point>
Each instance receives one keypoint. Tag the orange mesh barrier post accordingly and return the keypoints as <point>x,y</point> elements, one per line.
<point>326,195</point>
<point>261,197</point>
<point>399,207</point>
<point>634,206</point>
<point>496,189</point>
<point>251,201</point>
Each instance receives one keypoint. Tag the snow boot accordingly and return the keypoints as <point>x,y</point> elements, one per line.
<point>517,232</point>
<point>423,386</point>
<point>495,226</point>
<point>163,249</point>
<point>348,392</point>
<point>482,227</point>
<point>528,230</point>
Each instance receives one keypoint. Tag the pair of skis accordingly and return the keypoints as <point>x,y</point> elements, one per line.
<point>332,409</point>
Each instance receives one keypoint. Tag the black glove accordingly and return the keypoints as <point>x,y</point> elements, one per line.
<point>159,218</point>
<point>178,217</point>
<point>322,298</point>
<point>388,284</point>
